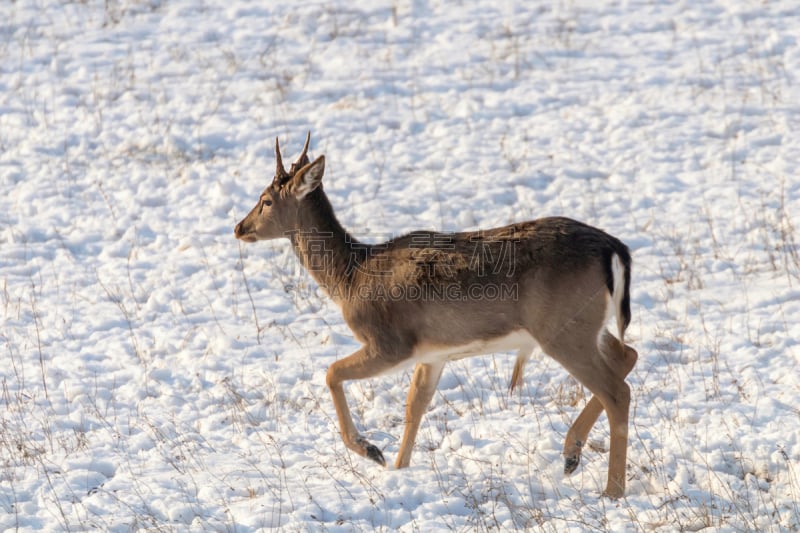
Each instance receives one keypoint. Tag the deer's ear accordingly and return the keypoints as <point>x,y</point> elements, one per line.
<point>307,178</point>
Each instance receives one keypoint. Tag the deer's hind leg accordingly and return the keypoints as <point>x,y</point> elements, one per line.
<point>517,377</point>
<point>622,361</point>
<point>581,356</point>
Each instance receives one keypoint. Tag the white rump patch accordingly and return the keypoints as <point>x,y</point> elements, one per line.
<point>618,275</point>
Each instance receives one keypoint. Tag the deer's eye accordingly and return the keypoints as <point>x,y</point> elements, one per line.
<point>265,203</point>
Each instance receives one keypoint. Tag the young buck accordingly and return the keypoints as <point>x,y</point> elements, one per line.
<point>427,298</point>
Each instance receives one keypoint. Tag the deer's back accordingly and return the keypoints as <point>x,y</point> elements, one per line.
<point>433,287</point>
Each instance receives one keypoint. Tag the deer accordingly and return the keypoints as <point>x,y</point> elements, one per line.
<point>425,298</point>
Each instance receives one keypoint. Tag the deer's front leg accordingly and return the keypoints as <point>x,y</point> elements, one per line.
<point>423,386</point>
<point>359,365</point>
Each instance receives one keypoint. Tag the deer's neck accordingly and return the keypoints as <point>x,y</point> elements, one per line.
<point>329,253</point>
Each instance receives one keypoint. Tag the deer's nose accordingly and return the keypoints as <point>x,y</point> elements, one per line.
<point>237,231</point>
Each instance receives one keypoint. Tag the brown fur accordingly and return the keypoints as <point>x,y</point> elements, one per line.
<point>417,298</point>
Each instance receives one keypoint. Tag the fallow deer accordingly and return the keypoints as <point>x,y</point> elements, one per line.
<point>426,298</point>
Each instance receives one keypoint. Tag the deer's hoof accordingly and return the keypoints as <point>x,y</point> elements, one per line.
<point>375,454</point>
<point>616,492</point>
<point>571,464</point>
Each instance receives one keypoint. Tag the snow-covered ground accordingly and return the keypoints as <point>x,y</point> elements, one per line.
<point>157,374</point>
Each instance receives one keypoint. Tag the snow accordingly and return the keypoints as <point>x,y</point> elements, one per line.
<point>158,374</point>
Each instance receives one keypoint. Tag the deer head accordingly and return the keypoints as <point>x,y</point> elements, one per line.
<point>277,212</point>
<point>568,278</point>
